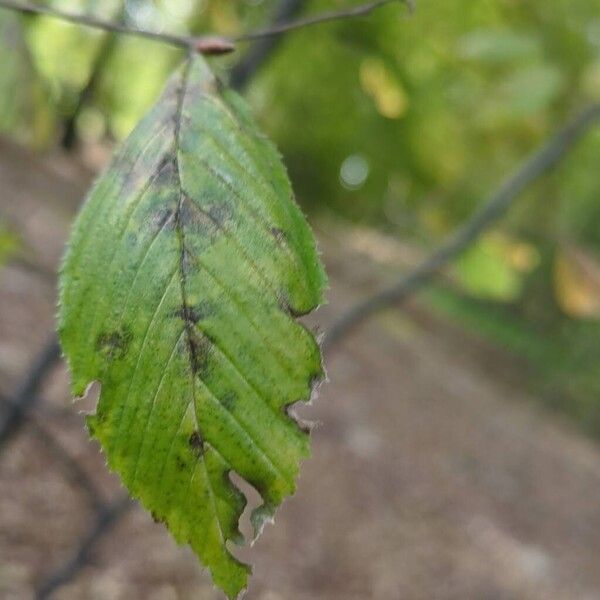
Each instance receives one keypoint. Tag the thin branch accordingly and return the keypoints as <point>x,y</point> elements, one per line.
<point>74,472</point>
<point>106,520</point>
<point>353,12</point>
<point>28,394</point>
<point>96,23</point>
<point>19,409</point>
<point>205,44</point>
<point>70,465</point>
<point>103,56</point>
<point>258,54</point>
<point>494,208</point>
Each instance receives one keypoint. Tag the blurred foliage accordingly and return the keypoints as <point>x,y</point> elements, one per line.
<point>403,123</point>
<point>9,244</point>
<point>495,267</point>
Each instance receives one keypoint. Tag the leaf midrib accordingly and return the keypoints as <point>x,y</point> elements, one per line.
<point>181,93</point>
<point>180,230</point>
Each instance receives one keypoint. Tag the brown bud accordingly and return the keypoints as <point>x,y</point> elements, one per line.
<point>213,46</point>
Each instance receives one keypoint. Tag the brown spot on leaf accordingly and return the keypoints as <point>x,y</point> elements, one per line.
<point>192,315</point>
<point>145,169</point>
<point>156,518</point>
<point>188,263</point>
<point>195,219</point>
<point>166,171</point>
<point>220,213</point>
<point>229,400</point>
<point>207,221</point>
<point>131,239</point>
<point>200,346</point>
<point>162,217</point>
<point>279,235</point>
<point>114,344</point>
<point>196,443</point>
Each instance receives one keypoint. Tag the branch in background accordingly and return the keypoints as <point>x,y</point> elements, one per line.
<point>107,519</point>
<point>209,45</point>
<point>258,54</point>
<point>61,455</point>
<point>95,23</point>
<point>73,471</point>
<point>494,208</point>
<point>28,394</point>
<point>361,10</point>
<point>87,92</point>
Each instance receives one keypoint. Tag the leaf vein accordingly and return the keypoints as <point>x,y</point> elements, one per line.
<point>129,215</point>
<point>182,91</point>
<point>121,420</point>
<point>152,404</point>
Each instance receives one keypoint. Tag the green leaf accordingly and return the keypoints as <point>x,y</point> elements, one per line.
<point>185,272</point>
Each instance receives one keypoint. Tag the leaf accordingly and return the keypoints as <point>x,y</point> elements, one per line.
<point>185,271</point>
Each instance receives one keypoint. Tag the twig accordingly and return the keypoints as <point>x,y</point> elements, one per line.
<point>70,465</point>
<point>538,164</point>
<point>204,44</point>
<point>28,394</point>
<point>104,523</point>
<point>65,460</point>
<point>69,138</point>
<point>354,12</point>
<point>95,23</point>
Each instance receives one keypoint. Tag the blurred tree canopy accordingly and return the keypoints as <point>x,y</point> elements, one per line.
<point>402,123</point>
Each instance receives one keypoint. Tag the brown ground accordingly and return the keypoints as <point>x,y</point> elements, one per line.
<point>433,474</point>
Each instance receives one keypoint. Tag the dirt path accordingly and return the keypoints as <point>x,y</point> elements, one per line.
<point>433,476</point>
